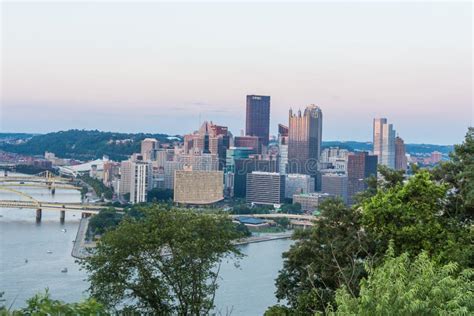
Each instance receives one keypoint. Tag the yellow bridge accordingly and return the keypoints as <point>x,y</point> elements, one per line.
<point>31,203</point>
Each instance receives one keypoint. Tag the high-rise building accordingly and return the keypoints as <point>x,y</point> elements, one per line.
<point>140,181</point>
<point>384,142</point>
<point>198,187</point>
<point>257,121</point>
<point>400,154</point>
<point>249,142</point>
<point>210,139</point>
<point>243,167</point>
<point>335,184</point>
<point>360,166</point>
<point>282,149</point>
<point>297,184</point>
<point>234,153</point>
<point>148,147</point>
<point>125,177</point>
<point>265,187</point>
<point>304,140</point>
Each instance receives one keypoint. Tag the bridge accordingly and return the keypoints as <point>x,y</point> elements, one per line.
<point>40,180</point>
<point>296,220</point>
<point>31,203</point>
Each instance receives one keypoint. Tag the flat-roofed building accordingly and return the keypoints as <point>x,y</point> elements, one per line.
<point>197,187</point>
<point>265,187</point>
<point>334,184</point>
<point>311,201</point>
<point>298,183</point>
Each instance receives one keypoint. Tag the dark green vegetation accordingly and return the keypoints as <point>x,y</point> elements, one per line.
<point>43,304</point>
<point>99,187</point>
<point>29,169</point>
<point>160,195</point>
<point>410,286</point>
<point>405,248</point>
<point>164,263</point>
<point>83,145</point>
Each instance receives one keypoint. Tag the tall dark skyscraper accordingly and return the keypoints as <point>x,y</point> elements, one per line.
<point>258,117</point>
<point>360,166</point>
<point>304,140</point>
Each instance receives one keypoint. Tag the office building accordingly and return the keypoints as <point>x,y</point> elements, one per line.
<point>310,201</point>
<point>400,154</point>
<point>304,140</point>
<point>297,184</point>
<point>282,149</point>
<point>234,153</point>
<point>384,142</point>
<point>257,121</point>
<point>249,142</point>
<point>436,157</point>
<point>148,147</point>
<point>265,188</point>
<point>245,166</point>
<point>198,187</point>
<point>335,184</point>
<point>360,166</point>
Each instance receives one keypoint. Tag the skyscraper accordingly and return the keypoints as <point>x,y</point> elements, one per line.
<point>148,147</point>
<point>304,140</point>
<point>400,154</point>
<point>360,166</point>
<point>258,118</point>
<point>384,142</point>
<point>265,187</point>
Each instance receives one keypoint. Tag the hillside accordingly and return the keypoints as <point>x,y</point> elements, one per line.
<point>83,144</point>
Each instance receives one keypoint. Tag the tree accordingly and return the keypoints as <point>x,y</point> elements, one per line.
<point>458,175</point>
<point>159,195</point>
<point>164,263</point>
<point>402,286</point>
<point>43,304</point>
<point>411,215</point>
<point>322,259</point>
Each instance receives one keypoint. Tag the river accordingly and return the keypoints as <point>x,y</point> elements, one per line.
<point>244,290</point>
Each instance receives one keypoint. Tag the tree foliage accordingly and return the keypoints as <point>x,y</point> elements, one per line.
<point>323,259</point>
<point>43,304</point>
<point>405,286</point>
<point>165,263</point>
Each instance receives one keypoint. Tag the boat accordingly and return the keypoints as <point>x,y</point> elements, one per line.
<point>64,230</point>
<point>64,270</point>
<point>26,260</point>
<point>49,251</point>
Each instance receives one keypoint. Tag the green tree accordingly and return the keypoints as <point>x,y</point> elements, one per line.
<point>411,215</point>
<point>323,258</point>
<point>403,286</point>
<point>43,304</point>
<point>160,195</point>
<point>164,263</point>
<point>458,175</point>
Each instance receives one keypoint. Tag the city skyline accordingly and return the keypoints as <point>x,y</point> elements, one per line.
<point>127,75</point>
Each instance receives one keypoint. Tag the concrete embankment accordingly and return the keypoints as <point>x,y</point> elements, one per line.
<point>81,245</point>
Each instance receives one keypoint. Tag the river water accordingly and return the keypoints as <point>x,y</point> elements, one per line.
<point>244,290</point>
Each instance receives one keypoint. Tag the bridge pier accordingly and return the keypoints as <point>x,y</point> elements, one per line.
<point>62,216</point>
<point>39,213</point>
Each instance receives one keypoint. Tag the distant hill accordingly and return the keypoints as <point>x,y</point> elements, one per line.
<point>83,144</point>
<point>410,148</point>
<point>93,144</point>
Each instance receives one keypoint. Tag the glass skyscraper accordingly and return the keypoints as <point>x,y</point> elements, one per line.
<point>257,121</point>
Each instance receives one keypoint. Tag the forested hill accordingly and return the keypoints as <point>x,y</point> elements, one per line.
<point>87,145</point>
<point>410,148</point>
<point>83,144</point>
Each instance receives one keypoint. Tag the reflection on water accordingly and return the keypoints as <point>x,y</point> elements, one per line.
<point>245,290</point>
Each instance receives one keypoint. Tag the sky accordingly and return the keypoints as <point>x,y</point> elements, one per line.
<point>166,67</point>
